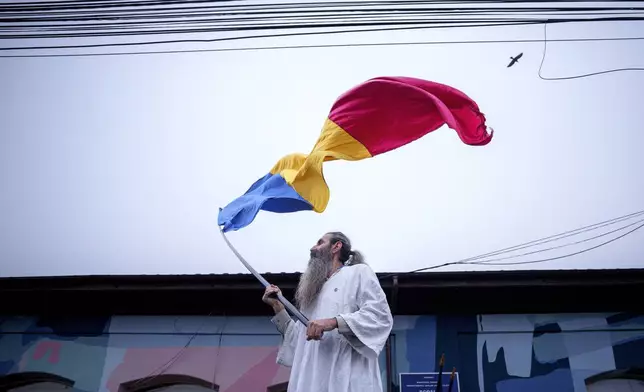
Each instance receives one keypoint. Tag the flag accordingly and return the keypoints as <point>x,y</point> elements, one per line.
<point>375,117</point>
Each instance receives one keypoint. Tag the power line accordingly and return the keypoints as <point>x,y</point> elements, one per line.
<point>219,19</point>
<point>293,16</point>
<point>169,13</point>
<point>567,255</point>
<point>62,5</point>
<point>544,240</point>
<point>551,238</point>
<point>142,10</point>
<point>239,18</point>
<point>543,58</point>
<point>303,26</point>
<point>327,46</point>
<point>176,41</point>
<point>278,23</point>
<point>557,237</point>
<point>489,261</point>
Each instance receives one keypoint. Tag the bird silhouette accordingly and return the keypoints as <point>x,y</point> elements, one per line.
<point>515,59</point>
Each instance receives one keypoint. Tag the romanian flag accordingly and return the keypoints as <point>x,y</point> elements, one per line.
<point>374,117</point>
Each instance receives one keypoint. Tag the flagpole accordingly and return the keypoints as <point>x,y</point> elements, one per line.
<point>289,306</point>
<point>451,379</point>
<point>439,386</point>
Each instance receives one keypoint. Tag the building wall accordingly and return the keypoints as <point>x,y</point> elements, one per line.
<point>501,353</point>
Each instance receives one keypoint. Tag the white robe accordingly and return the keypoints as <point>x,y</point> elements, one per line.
<point>345,359</point>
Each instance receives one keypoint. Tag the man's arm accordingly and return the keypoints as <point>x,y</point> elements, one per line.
<point>371,324</point>
<point>285,325</point>
<point>281,319</point>
<point>343,327</point>
<point>345,330</point>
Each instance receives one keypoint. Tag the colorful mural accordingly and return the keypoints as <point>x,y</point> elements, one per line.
<point>500,353</point>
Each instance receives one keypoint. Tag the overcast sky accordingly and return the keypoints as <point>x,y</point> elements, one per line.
<point>117,165</point>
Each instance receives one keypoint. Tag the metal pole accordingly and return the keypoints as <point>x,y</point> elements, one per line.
<point>289,306</point>
<point>389,364</point>
<point>451,380</point>
<point>439,384</point>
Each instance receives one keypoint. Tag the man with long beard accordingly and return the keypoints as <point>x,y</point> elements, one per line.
<point>350,322</point>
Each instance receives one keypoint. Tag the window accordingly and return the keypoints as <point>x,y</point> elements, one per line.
<point>35,382</point>
<point>169,383</point>
<point>616,385</point>
<point>182,388</point>
<point>630,380</point>
<point>41,387</point>
<point>278,387</point>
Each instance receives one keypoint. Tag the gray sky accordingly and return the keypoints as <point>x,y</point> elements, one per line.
<point>117,165</point>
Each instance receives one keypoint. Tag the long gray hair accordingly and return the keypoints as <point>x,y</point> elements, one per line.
<point>348,256</point>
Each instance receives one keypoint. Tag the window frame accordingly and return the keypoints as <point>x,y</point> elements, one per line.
<point>21,379</point>
<point>150,383</point>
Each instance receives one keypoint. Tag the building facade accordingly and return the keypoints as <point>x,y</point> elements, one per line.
<point>76,334</point>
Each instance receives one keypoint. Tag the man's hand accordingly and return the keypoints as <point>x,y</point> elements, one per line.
<point>316,328</point>
<point>270,298</point>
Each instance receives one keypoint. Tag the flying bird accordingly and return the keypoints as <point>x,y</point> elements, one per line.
<point>515,59</point>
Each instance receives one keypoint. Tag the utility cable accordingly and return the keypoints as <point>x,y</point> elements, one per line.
<point>117,17</point>
<point>112,25</point>
<point>488,261</point>
<point>301,16</point>
<point>291,26</point>
<point>219,346</point>
<point>323,46</point>
<point>74,5</point>
<point>473,260</point>
<point>567,255</point>
<point>248,37</point>
<point>557,237</point>
<point>543,57</point>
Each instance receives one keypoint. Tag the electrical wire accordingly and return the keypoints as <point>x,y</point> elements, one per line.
<point>472,260</point>
<point>557,237</point>
<point>300,16</point>
<point>188,14</point>
<point>559,246</point>
<point>238,38</point>
<point>476,260</point>
<point>106,19</point>
<point>284,26</point>
<point>221,335</point>
<point>567,255</point>
<point>113,30</point>
<point>44,6</point>
<point>75,5</point>
<point>323,46</point>
<point>312,21</point>
<point>543,58</point>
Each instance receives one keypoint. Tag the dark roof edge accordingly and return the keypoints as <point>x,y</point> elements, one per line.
<point>482,292</point>
<point>450,278</point>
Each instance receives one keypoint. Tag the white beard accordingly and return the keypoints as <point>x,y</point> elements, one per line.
<point>313,279</point>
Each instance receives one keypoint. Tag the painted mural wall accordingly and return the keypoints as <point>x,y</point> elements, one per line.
<point>500,353</point>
